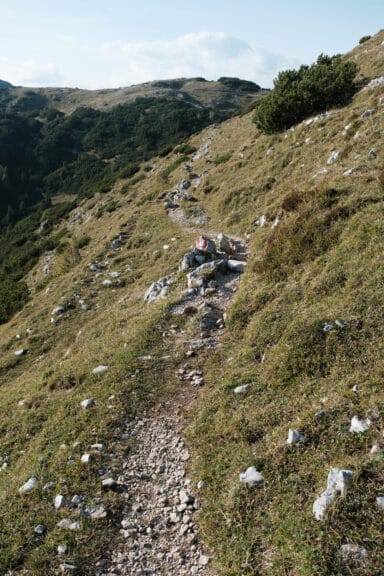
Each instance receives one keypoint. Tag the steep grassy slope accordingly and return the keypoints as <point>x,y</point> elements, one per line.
<point>319,263</point>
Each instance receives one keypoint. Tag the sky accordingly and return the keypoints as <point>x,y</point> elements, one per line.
<point>112,43</point>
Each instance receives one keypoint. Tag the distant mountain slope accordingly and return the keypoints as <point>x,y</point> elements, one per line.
<point>4,84</point>
<point>224,95</point>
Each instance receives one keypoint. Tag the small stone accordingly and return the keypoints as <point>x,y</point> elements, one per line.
<point>224,244</point>
<point>58,310</point>
<point>327,327</point>
<point>353,552</point>
<point>333,157</point>
<point>236,265</point>
<point>108,483</point>
<point>251,476</point>
<point>174,517</point>
<point>98,513</point>
<point>185,497</point>
<point>62,549</point>
<point>261,222</point>
<point>203,560</point>
<point>20,352</point>
<point>40,530</point>
<point>241,389</point>
<point>65,567</point>
<point>76,500</point>
<point>294,437</point>
<point>376,449</point>
<point>359,426</point>
<point>100,369</point>
<point>368,113</point>
<point>98,447</point>
<point>106,282</point>
<point>59,501</point>
<point>88,403</point>
<point>380,502</point>
<point>85,459</point>
<point>321,504</point>
<point>30,485</point>
<point>349,171</point>
<point>200,485</point>
<point>67,524</point>
<point>338,480</point>
<point>48,486</point>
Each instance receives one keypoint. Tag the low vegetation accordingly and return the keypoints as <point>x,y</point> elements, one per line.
<point>297,94</point>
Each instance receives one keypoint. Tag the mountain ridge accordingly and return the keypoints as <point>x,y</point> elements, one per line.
<point>195,90</point>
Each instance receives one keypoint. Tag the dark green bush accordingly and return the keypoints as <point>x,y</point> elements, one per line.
<point>238,84</point>
<point>298,94</point>
<point>13,296</point>
<point>364,39</point>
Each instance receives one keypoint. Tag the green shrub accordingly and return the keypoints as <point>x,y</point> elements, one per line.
<point>83,241</point>
<point>221,159</point>
<point>13,296</point>
<point>185,149</point>
<point>238,84</point>
<point>312,89</point>
<point>364,39</point>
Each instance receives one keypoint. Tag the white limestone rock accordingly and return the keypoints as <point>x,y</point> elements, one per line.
<point>59,501</point>
<point>380,502</point>
<point>236,266</point>
<point>100,369</point>
<point>66,567</point>
<point>68,524</point>
<point>368,113</point>
<point>337,483</point>
<point>333,157</point>
<point>58,310</point>
<point>251,476</point>
<point>88,403</point>
<point>108,483</point>
<point>20,352</point>
<point>224,244</point>
<point>30,485</point>
<point>85,459</point>
<point>294,437</point>
<point>338,480</point>
<point>321,504</point>
<point>241,389</point>
<point>262,221</point>
<point>354,553</point>
<point>359,426</point>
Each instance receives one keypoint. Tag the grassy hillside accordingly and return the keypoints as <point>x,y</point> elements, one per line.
<point>315,227</point>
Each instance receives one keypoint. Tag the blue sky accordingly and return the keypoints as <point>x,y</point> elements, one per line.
<point>111,43</point>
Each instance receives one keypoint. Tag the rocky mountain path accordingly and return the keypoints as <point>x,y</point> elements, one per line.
<point>159,535</point>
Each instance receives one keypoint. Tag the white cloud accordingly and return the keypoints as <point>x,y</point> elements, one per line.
<point>204,54</point>
<point>30,73</point>
<point>122,63</point>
